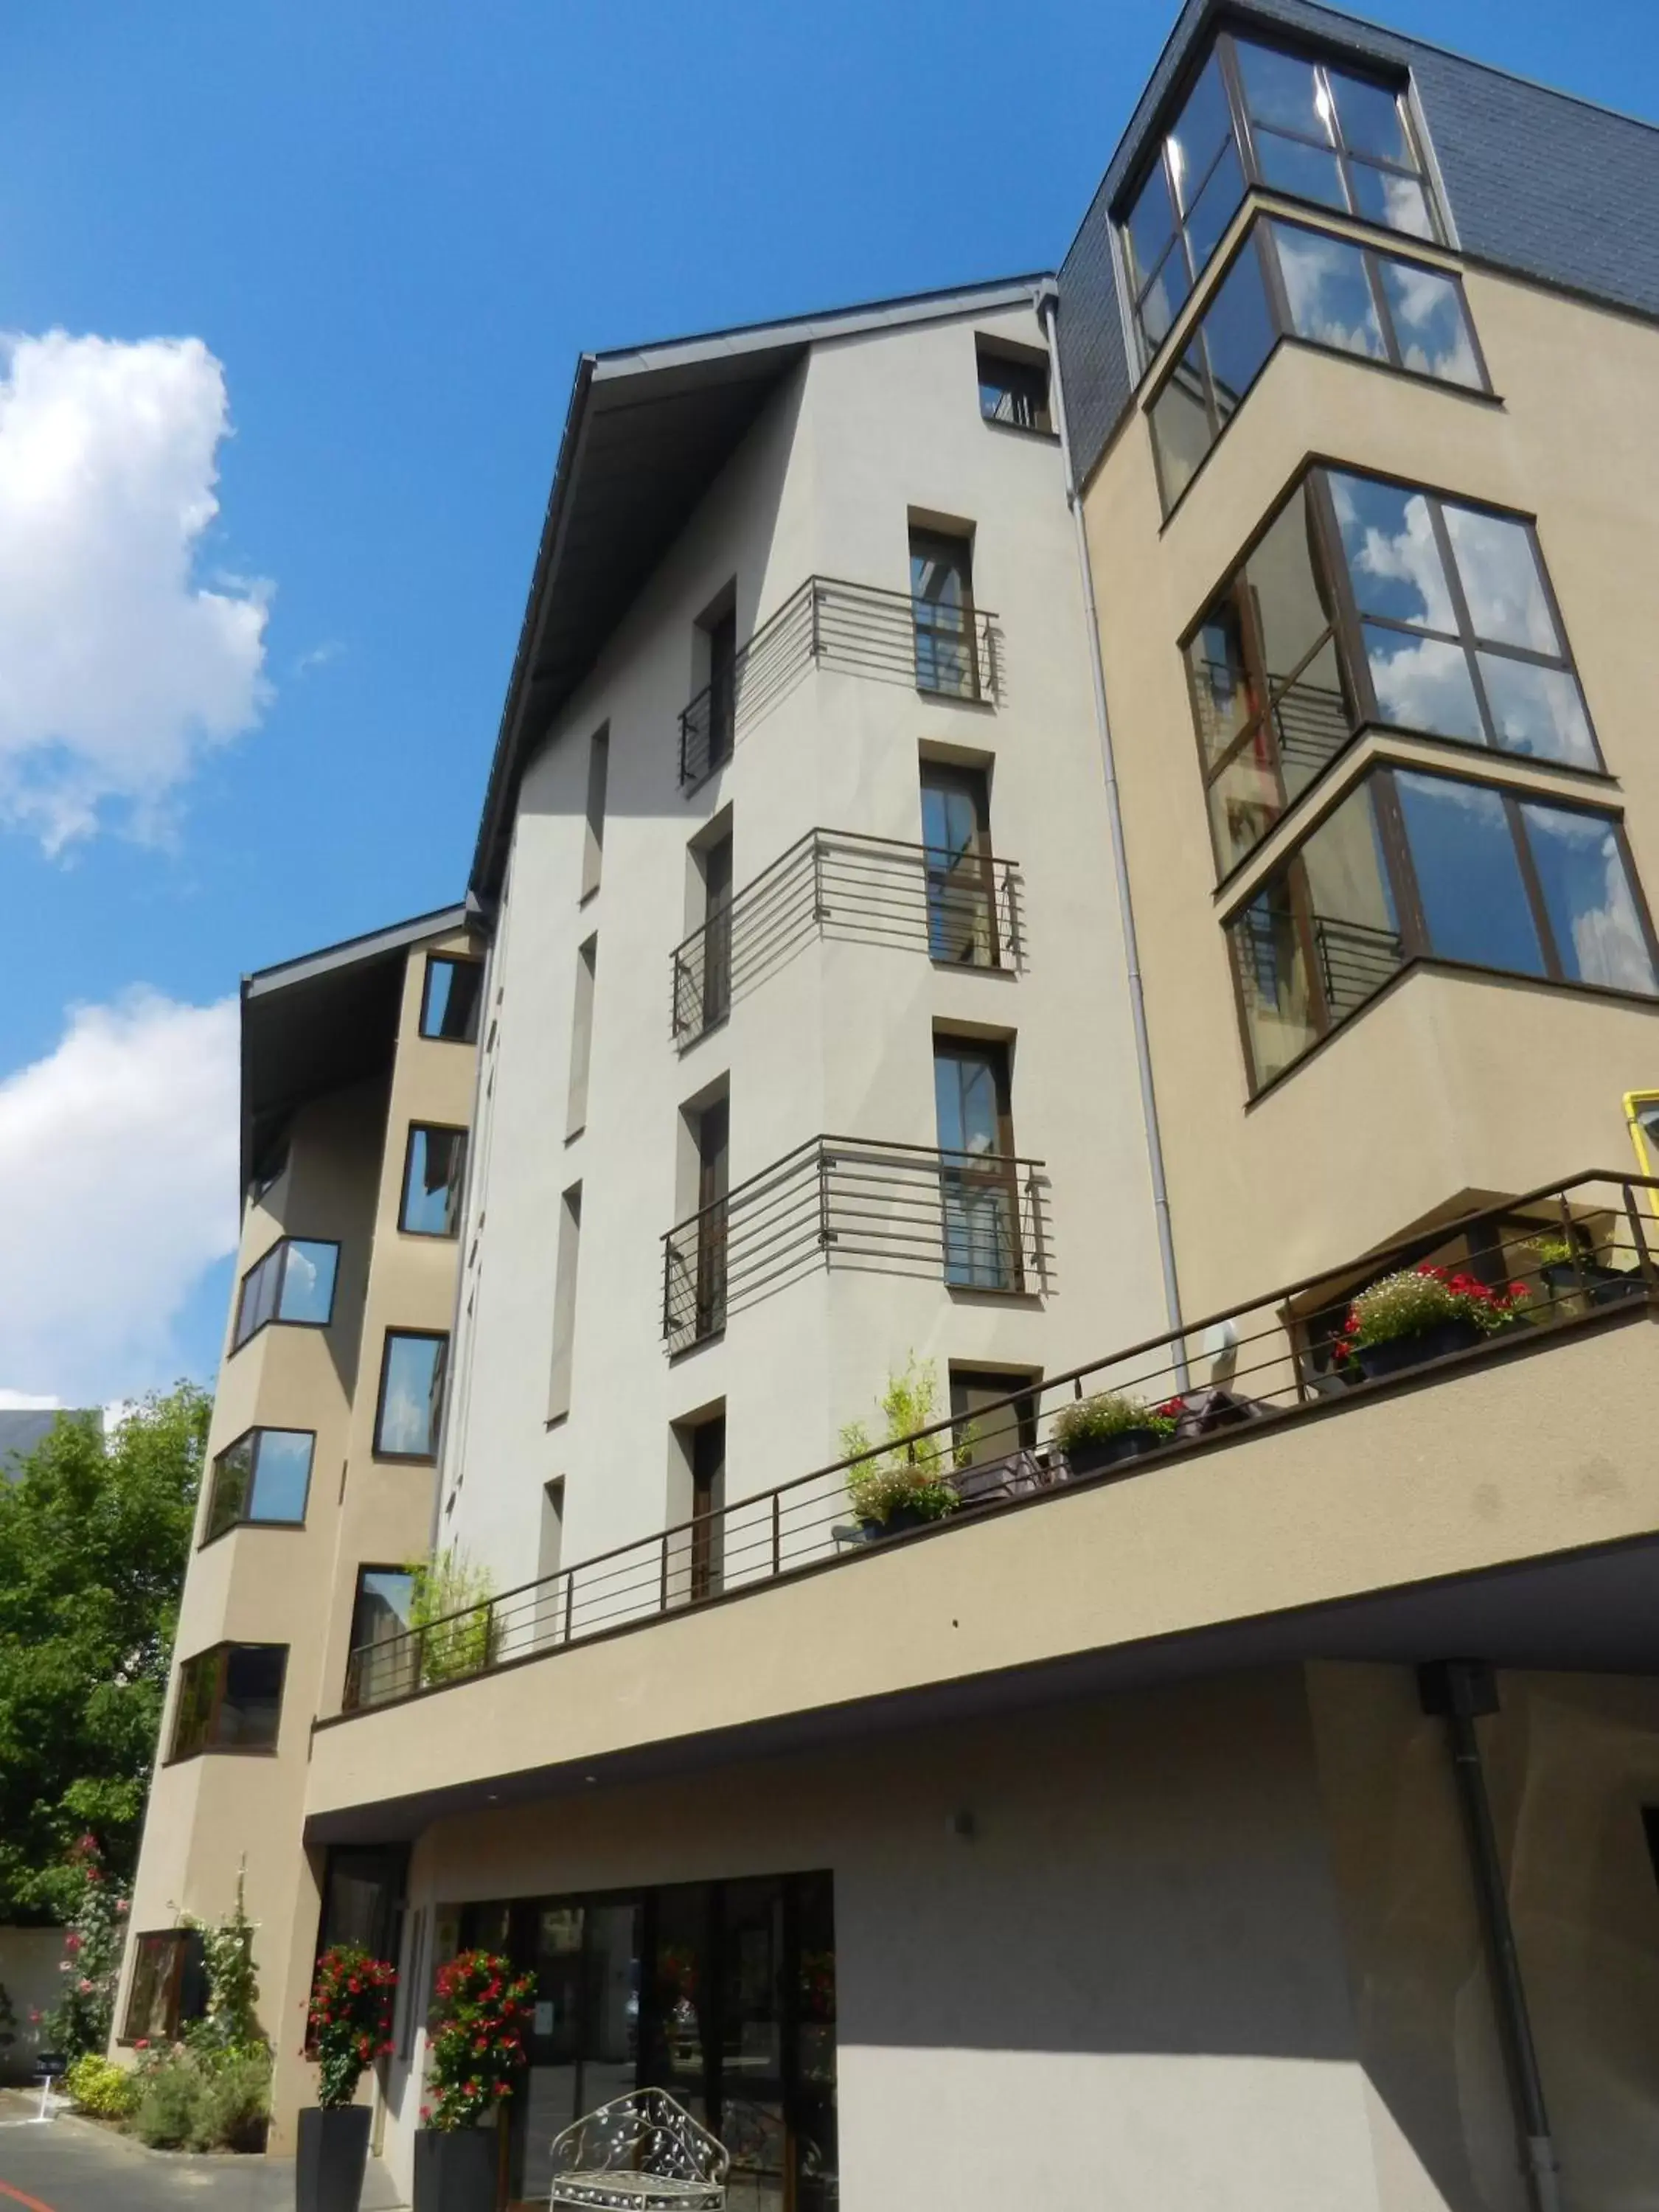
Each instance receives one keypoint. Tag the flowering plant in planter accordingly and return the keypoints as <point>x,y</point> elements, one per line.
<point>1110,1413</point>
<point>350,2019</point>
<point>476,2040</point>
<point>1418,1299</point>
<point>905,1478</point>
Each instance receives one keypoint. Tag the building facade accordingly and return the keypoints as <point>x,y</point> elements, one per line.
<point>1116,811</point>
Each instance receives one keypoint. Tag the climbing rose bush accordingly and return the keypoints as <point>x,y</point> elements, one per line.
<point>476,2040</point>
<point>91,1964</point>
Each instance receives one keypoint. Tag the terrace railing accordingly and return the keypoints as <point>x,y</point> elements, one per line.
<point>963,908</point>
<point>862,628</point>
<point>978,1222</point>
<point>1585,1248</point>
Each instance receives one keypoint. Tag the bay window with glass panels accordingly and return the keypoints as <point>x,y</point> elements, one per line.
<point>1259,117</point>
<point>265,1476</point>
<point>1368,604</point>
<point>1411,866</point>
<point>293,1282</point>
<point>1289,281</point>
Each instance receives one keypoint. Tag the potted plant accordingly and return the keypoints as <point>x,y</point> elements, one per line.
<point>1099,1432</point>
<point>1422,1313</point>
<point>350,2019</point>
<point>1566,1269</point>
<point>904,1482</point>
<point>474,2048</point>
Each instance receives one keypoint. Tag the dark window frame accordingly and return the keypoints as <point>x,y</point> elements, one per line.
<point>181,2003</point>
<point>438,1129</point>
<point>451,960</point>
<point>1241,142</point>
<point>1257,239</point>
<point>1029,361</point>
<point>245,1519</point>
<point>963,1173</point>
<point>1344,630</point>
<point>219,1653</point>
<point>1401,879</point>
<point>276,1318</point>
<point>439,1336</point>
<point>928,542</point>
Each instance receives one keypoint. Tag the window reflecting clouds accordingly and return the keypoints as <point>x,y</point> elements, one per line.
<point>1430,328</point>
<point>1328,291</point>
<point>412,1395</point>
<point>293,1282</point>
<point>1587,891</point>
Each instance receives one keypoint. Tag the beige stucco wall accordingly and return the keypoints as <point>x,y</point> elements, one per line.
<point>1501,1085</point>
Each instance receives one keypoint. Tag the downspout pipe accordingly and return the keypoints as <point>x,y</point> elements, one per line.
<point>1458,1690</point>
<point>1046,303</point>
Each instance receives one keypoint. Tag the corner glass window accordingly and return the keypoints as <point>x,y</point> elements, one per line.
<point>1286,122</point>
<point>1369,603</point>
<point>263,1476</point>
<point>293,1282</point>
<point>434,1171</point>
<point>230,1699</point>
<point>451,999</point>
<point>412,1395</point>
<point>1413,866</point>
<point>1287,281</point>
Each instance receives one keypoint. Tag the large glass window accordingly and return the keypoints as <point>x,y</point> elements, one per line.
<point>1290,281</point>
<point>381,1666</point>
<point>1369,603</point>
<point>230,1699</point>
<point>983,1248</point>
<point>1411,865</point>
<point>412,1395</point>
<point>169,1985</point>
<point>293,1282</point>
<point>942,613</point>
<point>263,1476</point>
<point>1259,117</point>
<point>434,1171</point>
<point>451,998</point>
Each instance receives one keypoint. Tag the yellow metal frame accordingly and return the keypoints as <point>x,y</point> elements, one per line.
<point>1645,1134</point>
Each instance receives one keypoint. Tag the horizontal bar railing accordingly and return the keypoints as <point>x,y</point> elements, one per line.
<point>1581,1250</point>
<point>860,628</point>
<point>1355,959</point>
<point>976,1222</point>
<point>961,909</point>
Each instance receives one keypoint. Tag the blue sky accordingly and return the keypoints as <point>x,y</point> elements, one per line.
<point>394,226</point>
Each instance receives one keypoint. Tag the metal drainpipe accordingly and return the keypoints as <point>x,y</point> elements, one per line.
<point>1046,303</point>
<point>1458,1689</point>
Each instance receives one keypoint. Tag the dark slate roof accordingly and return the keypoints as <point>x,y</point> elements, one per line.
<point>1537,182</point>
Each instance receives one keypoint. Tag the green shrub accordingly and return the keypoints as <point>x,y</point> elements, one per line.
<point>900,1471</point>
<point>449,1605</point>
<point>98,2085</point>
<point>234,2105</point>
<point>172,2112</point>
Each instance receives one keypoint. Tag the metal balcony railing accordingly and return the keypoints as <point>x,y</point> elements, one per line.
<point>977,1223</point>
<point>1355,959</point>
<point>860,628</point>
<point>1583,1248</point>
<point>961,909</point>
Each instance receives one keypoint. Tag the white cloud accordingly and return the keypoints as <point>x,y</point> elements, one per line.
<point>119,1160</point>
<point>19,1401</point>
<point>118,667</point>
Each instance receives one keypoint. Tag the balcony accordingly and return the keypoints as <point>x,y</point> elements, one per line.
<point>976,1222</point>
<point>962,909</point>
<point>950,652</point>
<point>1236,1500</point>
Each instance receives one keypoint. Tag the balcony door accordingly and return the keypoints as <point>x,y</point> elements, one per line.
<point>717,931</point>
<point>942,607</point>
<point>714,1153</point>
<point>722,686</point>
<point>962,914</point>
<point>982,1244</point>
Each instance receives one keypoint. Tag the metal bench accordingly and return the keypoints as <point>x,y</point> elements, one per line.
<point>642,2152</point>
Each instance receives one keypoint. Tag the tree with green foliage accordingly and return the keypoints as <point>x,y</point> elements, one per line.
<point>95,1532</point>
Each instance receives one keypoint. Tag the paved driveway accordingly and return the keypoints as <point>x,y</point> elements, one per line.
<point>73,2165</point>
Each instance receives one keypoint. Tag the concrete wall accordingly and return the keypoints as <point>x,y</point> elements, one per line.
<point>29,1960</point>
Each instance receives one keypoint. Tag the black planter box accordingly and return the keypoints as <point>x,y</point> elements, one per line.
<point>1090,1454</point>
<point>1403,1352</point>
<point>901,1517</point>
<point>455,2169</point>
<point>1606,1287</point>
<point>333,2152</point>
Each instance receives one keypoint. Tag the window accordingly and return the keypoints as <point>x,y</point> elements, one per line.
<point>976,1136</point>
<point>169,1985</point>
<point>942,605</point>
<point>581,1037</point>
<point>598,777</point>
<point>713,1137</point>
<point>451,999</point>
<point>434,1168</point>
<point>293,1282</point>
<point>1369,603</point>
<point>379,1666</point>
<point>564,1302</point>
<point>1414,866</point>
<point>1013,385</point>
<point>708,1458</point>
<point>549,1546</point>
<point>1259,117</point>
<point>961,904</point>
<point>988,1428</point>
<point>411,1393</point>
<point>363,1899</point>
<point>1289,281</point>
<point>263,1476</point>
<point>230,1699</point>
<point>721,631</point>
<point>716,930</point>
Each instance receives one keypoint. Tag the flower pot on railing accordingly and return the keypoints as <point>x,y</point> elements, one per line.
<point>1401,1352</point>
<point>1102,1431</point>
<point>1090,1454</point>
<point>1602,1285</point>
<point>1422,1313</point>
<point>455,2169</point>
<point>332,2158</point>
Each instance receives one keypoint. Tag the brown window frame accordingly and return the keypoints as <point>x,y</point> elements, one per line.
<point>451,960</point>
<point>1345,629</point>
<point>277,1254</point>
<point>427,1336</point>
<point>187,1957</point>
<point>435,1129</point>
<point>219,1656</point>
<point>999,1174</point>
<point>1399,876</point>
<point>1259,241</point>
<point>929,541</point>
<point>1241,141</point>
<point>1031,362</point>
<point>245,1519</point>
